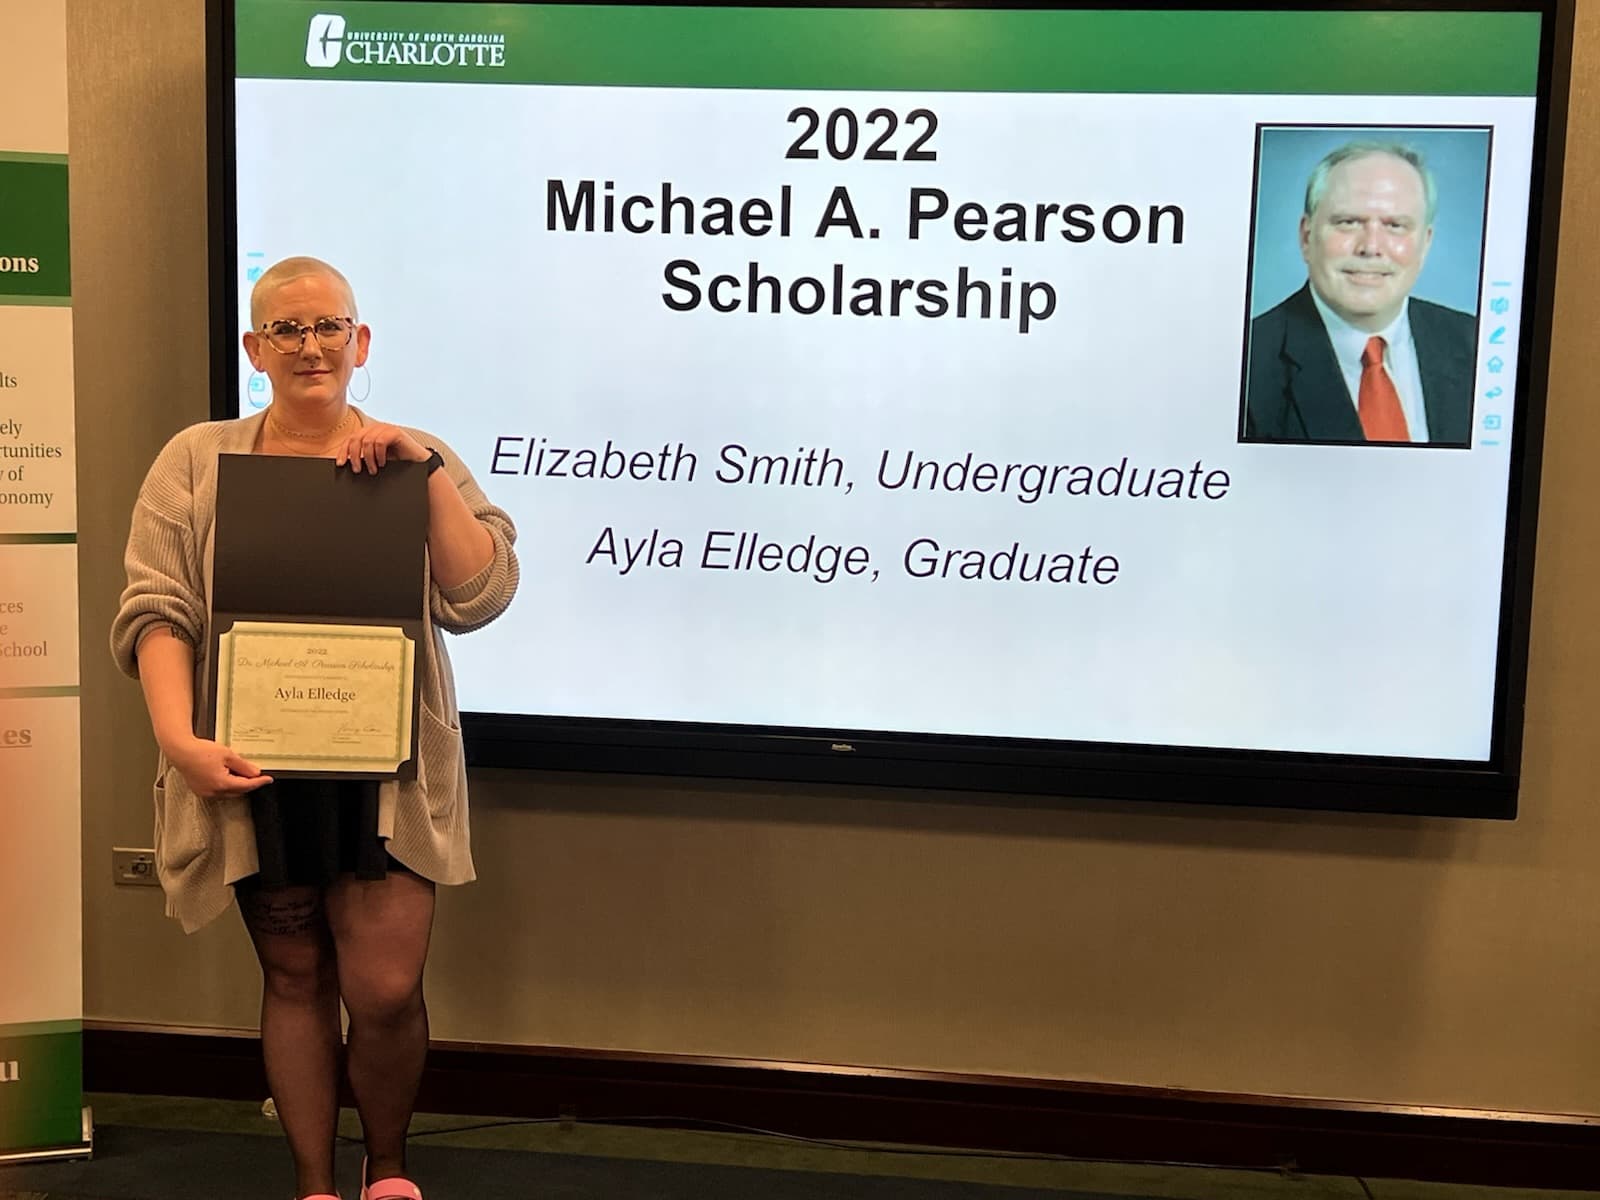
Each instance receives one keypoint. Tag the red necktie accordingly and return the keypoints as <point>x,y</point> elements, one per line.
<point>1378,402</point>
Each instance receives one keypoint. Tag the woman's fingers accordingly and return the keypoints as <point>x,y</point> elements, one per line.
<point>215,770</point>
<point>235,785</point>
<point>240,775</point>
<point>369,449</point>
<point>238,764</point>
<point>372,447</point>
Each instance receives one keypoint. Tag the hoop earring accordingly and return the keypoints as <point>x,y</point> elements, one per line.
<point>362,399</point>
<point>257,389</point>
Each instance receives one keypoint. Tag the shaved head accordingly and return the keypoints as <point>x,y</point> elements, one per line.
<point>288,270</point>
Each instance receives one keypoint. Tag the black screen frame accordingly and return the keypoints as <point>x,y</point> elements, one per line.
<point>1024,770</point>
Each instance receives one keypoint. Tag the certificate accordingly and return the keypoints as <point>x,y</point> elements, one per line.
<point>328,699</point>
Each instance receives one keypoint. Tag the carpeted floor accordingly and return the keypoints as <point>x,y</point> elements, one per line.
<point>155,1164</point>
<point>155,1148</point>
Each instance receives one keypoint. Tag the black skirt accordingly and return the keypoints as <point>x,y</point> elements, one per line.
<point>311,831</point>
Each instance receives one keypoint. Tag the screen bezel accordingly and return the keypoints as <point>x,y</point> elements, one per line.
<point>1024,769</point>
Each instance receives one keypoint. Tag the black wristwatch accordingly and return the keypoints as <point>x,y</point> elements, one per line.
<point>435,460</point>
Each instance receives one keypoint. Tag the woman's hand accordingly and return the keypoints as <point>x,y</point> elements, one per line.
<point>213,771</point>
<point>459,546</point>
<point>373,445</point>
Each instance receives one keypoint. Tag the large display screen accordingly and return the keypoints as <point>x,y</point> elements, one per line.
<point>1049,399</point>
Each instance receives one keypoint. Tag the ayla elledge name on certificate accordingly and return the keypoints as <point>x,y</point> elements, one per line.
<point>313,693</point>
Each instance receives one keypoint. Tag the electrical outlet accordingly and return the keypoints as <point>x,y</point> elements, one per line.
<point>134,866</point>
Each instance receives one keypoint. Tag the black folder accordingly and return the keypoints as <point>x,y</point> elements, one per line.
<point>300,539</point>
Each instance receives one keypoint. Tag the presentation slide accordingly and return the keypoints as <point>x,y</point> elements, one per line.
<point>1125,377</point>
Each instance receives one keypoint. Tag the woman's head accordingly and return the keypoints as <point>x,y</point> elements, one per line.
<point>305,334</point>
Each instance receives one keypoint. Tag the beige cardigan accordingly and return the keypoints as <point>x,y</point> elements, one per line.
<point>204,846</point>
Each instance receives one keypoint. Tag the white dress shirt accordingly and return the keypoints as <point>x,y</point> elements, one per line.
<point>1399,359</point>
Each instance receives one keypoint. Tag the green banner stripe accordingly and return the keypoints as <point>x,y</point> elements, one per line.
<point>35,250</point>
<point>26,156</point>
<point>35,301</point>
<point>36,693</point>
<point>40,1028</point>
<point>37,539</point>
<point>922,49</point>
<point>41,1096</point>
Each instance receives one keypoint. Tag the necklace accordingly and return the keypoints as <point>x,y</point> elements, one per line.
<point>272,416</point>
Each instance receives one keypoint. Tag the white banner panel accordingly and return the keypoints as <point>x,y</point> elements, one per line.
<point>41,877</point>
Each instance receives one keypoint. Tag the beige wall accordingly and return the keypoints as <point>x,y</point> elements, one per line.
<point>1394,960</point>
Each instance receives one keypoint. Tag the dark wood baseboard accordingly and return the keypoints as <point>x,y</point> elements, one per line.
<point>924,1108</point>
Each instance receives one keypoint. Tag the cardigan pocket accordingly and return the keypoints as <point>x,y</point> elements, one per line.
<point>438,762</point>
<point>180,835</point>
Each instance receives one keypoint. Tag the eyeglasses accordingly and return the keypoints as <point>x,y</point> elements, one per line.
<point>286,337</point>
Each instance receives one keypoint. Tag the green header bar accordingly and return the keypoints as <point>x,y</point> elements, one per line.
<point>35,266</point>
<point>1374,52</point>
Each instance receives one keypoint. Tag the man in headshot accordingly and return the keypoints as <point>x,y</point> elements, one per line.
<point>1353,356</point>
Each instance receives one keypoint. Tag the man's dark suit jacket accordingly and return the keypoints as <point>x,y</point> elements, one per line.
<point>1297,392</point>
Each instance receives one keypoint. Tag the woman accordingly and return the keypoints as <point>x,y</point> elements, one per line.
<point>335,880</point>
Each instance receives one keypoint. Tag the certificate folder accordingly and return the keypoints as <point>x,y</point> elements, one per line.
<point>301,541</point>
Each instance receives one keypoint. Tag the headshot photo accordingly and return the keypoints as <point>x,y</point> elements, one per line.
<point>1367,254</point>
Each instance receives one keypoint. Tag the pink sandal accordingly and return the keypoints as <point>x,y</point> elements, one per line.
<point>396,1187</point>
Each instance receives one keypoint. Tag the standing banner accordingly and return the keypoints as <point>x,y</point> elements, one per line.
<point>41,877</point>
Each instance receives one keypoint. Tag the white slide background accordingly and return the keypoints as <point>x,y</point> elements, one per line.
<point>1339,599</point>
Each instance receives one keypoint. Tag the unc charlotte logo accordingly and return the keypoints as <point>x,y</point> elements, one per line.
<point>9,1072</point>
<point>324,40</point>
